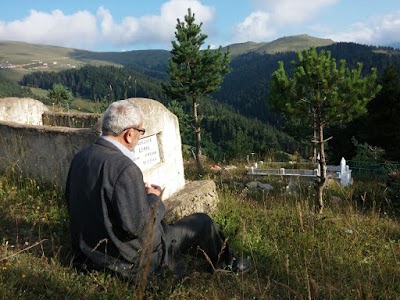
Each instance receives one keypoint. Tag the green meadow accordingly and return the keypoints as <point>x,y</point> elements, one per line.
<point>351,251</point>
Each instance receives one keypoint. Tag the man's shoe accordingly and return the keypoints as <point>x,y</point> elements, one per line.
<point>240,265</point>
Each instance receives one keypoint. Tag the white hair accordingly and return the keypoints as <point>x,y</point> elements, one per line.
<point>121,115</point>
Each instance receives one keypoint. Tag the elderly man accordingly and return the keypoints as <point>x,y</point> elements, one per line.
<point>116,218</point>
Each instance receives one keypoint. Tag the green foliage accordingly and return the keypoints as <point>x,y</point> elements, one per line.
<point>223,127</point>
<point>9,88</point>
<point>379,126</point>
<point>184,119</point>
<point>246,87</point>
<point>321,94</point>
<point>60,95</point>
<point>393,184</point>
<point>100,84</point>
<point>239,146</point>
<point>351,251</point>
<point>366,152</point>
<point>192,72</point>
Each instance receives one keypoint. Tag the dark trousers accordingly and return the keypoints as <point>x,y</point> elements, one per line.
<point>193,232</point>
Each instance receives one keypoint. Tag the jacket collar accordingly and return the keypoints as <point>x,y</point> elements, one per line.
<point>103,140</point>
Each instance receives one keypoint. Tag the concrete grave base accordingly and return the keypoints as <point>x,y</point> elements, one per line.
<point>196,196</point>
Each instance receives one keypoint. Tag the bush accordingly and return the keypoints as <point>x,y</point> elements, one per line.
<point>393,185</point>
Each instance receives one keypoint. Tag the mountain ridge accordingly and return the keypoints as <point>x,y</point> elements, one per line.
<point>14,54</point>
<point>291,43</point>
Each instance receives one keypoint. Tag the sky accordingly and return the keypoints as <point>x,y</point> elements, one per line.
<point>124,25</point>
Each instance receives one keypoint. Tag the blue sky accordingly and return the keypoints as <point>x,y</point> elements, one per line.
<point>121,25</point>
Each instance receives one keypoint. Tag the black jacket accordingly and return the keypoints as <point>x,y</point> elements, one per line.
<point>113,221</point>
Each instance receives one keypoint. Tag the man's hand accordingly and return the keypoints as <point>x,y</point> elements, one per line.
<point>153,189</point>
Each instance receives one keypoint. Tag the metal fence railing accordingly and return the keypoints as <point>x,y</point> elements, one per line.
<point>380,169</point>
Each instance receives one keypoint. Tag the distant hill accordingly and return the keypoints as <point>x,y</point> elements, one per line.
<point>35,56</point>
<point>285,44</point>
<point>20,53</point>
<point>19,58</point>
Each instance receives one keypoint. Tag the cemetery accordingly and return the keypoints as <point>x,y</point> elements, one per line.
<point>33,142</point>
<point>341,173</point>
<point>275,228</point>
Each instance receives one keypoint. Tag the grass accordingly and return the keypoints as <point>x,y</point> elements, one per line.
<point>352,251</point>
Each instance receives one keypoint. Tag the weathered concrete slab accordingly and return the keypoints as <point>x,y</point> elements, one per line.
<point>196,196</point>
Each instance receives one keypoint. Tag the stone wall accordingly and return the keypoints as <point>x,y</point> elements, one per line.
<point>41,152</point>
<point>73,120</point>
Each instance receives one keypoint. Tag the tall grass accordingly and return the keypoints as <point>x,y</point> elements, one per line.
<point>352,251</point>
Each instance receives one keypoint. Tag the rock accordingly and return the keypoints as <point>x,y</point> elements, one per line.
<point>265,186</point>
<point>252,185</point>
<point>230,167</point>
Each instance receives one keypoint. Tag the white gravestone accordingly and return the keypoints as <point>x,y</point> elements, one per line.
<point>159,152</point>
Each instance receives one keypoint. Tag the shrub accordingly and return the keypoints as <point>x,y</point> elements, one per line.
<point>393,185</point>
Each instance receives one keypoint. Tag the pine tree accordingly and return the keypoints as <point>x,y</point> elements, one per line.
<point>194,72</point>
<point>321,94</point>
<point>60,95</point>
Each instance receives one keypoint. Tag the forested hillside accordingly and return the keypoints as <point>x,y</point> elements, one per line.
<point>246,87</point>
<point>227,134</point>
<point>246,90</point>
<point>10,88</point>
<point>103,83</point>
<point>237,119</point>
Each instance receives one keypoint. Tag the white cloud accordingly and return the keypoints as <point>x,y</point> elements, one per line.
<point>55,28</point>
<point>84,29</point>
<point>151,28</point>
<point>292,11</point>
<point>255,27</point>
<point>270,16</point>
<point>379,30</point>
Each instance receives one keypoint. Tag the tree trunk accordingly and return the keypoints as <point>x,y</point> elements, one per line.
<point>197,130</point>
<point>321,182</point>
<point>315,142</point>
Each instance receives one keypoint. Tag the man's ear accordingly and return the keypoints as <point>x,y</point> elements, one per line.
<point>128,137</point>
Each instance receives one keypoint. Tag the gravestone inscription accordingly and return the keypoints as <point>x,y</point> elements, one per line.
<point>147,153</point>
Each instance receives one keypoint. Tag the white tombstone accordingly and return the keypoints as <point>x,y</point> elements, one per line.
<point>159,152</point>
<point>345,173</point>
<point>342,165</point>
<point>26,111</point>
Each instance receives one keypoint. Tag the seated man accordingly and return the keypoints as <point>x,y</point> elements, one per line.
<point>116,220</point>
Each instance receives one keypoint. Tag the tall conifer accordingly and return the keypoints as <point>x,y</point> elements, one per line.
<point>193,72</point>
